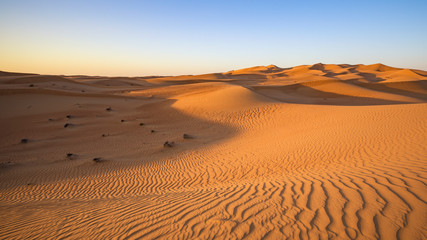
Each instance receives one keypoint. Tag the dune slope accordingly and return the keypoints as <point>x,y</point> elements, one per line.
<point>312,152</point>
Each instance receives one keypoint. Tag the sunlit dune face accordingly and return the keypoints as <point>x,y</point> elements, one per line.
<point>313,151</point>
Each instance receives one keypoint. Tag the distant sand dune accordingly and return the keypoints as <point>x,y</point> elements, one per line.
<point>318,151</point>
<point>35,79</point>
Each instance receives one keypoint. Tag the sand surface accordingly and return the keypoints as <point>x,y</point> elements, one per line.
<point>318,151</point>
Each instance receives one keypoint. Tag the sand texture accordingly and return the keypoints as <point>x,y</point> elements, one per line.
<point>318,151</point>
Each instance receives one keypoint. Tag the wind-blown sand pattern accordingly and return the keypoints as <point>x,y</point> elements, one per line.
<point>309,152</point>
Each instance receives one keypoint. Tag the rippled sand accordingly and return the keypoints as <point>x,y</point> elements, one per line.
<point>309,152</point>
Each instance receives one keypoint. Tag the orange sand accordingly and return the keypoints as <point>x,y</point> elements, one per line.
<point>310,152</point>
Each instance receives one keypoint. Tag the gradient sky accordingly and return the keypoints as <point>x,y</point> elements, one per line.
<point>162,37</point>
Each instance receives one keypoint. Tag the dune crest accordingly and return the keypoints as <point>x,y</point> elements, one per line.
<point>226,98</point>
<point>322,151</point>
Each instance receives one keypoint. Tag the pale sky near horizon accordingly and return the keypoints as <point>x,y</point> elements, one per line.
<point>139,38</point>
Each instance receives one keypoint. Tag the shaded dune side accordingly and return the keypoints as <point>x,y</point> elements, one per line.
<point>306,185</point>
<point>413,89</point>
<point>266,75</point>
<point>267,162</point>
<point>336,92</point>
<point>173,91</point>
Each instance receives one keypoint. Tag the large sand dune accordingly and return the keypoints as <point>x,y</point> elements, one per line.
<point>320,151</point>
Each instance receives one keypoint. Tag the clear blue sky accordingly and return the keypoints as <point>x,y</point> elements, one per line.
<point>162,37</point>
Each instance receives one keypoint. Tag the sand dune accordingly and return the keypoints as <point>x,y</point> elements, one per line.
<point>378,67</point>
<point>226,98</point>
<point>319,151</point>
